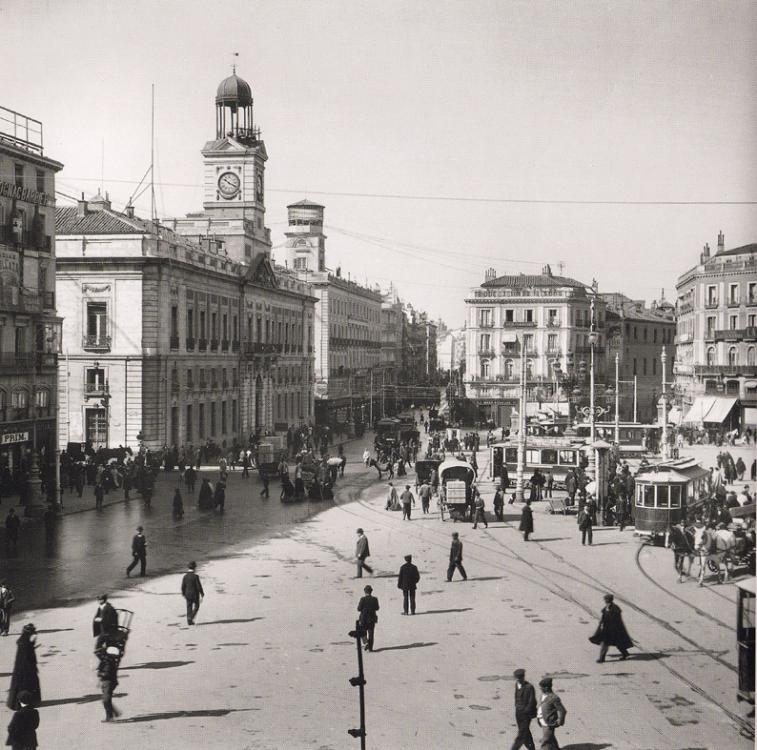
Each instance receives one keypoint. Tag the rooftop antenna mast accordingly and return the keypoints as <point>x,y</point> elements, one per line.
<point>153,212</point>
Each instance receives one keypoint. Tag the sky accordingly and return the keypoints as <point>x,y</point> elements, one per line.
<point>442,137</point>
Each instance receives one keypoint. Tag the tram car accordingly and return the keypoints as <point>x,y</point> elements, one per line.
<point>745,624</point>
<point>457,478</point>
<point>555,454</point>
<point>667,493</point>
<point>636,439</point>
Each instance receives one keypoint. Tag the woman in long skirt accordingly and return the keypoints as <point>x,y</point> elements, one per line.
<point>25,675</point>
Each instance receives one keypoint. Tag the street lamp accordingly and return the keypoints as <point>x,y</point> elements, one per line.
<point>521,426</point>
<point>617,399</point>
<point>665,451</point>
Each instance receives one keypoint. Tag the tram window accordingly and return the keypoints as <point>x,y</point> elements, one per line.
<point>747,612</point>
<point>548,456</point>
<point>663,499</point>
<point>648,499</point>
<point>568,458</point>
<point>511,455</point>
<point>675,497</point>
<point>533,457</point>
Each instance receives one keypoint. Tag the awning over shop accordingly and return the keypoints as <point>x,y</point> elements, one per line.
<point>675,415</point>
<point>750,416</point>
<point>713,409</point>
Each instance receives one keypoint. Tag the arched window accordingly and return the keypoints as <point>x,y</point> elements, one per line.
<point>508,369</point>
<point>751,356</point>
<point>733,356</point>
<point>711,358</point>
<point>485,368</point>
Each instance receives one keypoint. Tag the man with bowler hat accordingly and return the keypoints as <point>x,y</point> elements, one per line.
<point>550,714</point>
<point>525,710</point>
<point>191,590</point>
<point>138,553</point>
<point>106,619</point>
<point>406,581</point>
<point>362,552</point>
<point>368,606</point>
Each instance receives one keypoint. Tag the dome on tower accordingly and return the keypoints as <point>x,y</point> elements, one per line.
<point>234,91</point>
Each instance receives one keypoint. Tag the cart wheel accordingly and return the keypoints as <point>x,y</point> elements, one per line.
<point>712,566</point>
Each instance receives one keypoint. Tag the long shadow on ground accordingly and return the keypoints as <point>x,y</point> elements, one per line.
<point>443,611</point>
<point>184,714</point>
<point>228,622</point>
<point>404,646</point>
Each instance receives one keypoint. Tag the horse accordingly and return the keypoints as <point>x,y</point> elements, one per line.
<point>714,547</point>
<point>682,542</point>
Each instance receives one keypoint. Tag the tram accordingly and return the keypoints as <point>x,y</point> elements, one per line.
<point>635,438</point>
<point>555,454</point>
<point>745,623</point>
<point>667,493</point>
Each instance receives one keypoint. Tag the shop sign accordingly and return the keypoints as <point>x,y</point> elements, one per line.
<point>9,266</point>
<point>14,437</point>
<point>9,190</point>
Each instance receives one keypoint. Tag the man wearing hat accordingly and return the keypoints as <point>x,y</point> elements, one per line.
<point>107,673</point>
<point>138,553</point>
<point>406,581</point>
<point>550,714</point>
<point>362,552</point>
<point>456,558</point>
<point>6,604</point>
<point>22,730</point>
<point>106,618</point>
<point>525,710</point>
<point>191,590</point>
<point>611,630</point>
<point>368,606</point>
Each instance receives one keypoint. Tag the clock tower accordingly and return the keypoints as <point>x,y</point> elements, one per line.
<point>234,175</point>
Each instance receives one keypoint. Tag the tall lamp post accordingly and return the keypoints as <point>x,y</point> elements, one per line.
<point>592,467</point>
<point>617,399</point>
<point>665,450</point>
<point>521,425</point>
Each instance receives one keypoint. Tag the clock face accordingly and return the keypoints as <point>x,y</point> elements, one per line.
<point>259,187</point>
<point>228,184</point>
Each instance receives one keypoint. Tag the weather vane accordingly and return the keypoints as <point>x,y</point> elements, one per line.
<point>234,62</point>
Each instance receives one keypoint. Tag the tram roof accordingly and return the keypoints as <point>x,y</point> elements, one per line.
<point>677,470</point>
<point>543,441</point>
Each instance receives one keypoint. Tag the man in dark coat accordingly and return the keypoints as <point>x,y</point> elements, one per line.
<point>362,553</point>
<point>407,580</point>
<point>456,558</point>
<point>585,525</point>
<point>611,631</point>
<point>138,553</point>
<point>191,590</point>
<point>106,618</point>
<point>504,477</point>
<point>368,606</point>
<point>107,673</point>
<point>25,675</point>
<point>205,500</point>
<point>22,731</point>
<point>525,710</point>
<point>526,521</point>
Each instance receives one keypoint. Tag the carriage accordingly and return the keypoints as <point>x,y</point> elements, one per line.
<point>456,477</point>
<point>667,493</point>
<point>424,468</point>
<point>745,624</point>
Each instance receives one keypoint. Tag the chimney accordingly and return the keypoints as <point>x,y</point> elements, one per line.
<point>547,271</point>
<point>705,256</point>
<point>81,207</point>
<point>721,241</point>
<point>129,210</point>
<point>490,274</point>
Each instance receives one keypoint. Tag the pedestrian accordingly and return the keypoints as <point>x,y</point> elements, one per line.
<point>99,495</point>
<point>368,606</point>
<point>190,477</point>
<point>550,714</point>
<point>50,520</point>
<point>219,496</point>
<point>525,710</point>
<point>550,480</point>
<point>526,521</point>
<point>408,500</point>
<point>456,558</point>
<point>105,622</point>
<point>480,512</point>
<point>362,552</point>
<point>25,676</point>
<point>107,674</point>
<point>407,580</point>
<point>191,590</point>
<point>504,482</point>
<point>740,468</point>
<point>138,553</point>
<point>22,730</point>
<point>611,631</point>
<point>12,523</point>
<point>585,525</point>
<point>571,486</point>
<point>753,470</point>
<point>392,499</point>
<point>6,605</point>
<point>264,479</point>
<point>424,492</point>
<point>178,505</point>
<point>499,504</point>
<point>621,512</point>
<point>205,498</point>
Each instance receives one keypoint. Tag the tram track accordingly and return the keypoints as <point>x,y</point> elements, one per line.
<point>744,726</point>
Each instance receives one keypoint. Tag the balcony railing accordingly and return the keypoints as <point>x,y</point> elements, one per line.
<point>202,345</point>
<point>95,389</point>
<point>486,352</point>
<point>99,343</point>
<point>46,360</point>
<point>224,345</point>
<point>203,385</point>
<point>553,323</point>
<point>234,346</point>
<point>174,342</point>
<point>10,361</point>
<point>712,304</point>
<point>736,334</point>
<point>725,370</point>
<point>214,345</point>
<point>190,342</point>
<point>486,324</point>
<point>519,324</point>
<point>252,348</point>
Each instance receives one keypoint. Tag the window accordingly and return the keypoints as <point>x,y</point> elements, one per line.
<point>190,323</point>
<point>214,326</point>
<point>212,424</point>
<point>647,496</point>
<point>225,327</point>
<point>552,342</point>
<point>511,455</point>
<point>202,331</point>
<point>644,365</point>
<point>190,378</point>
<point>712,295</point>
<point>223,417</point>
<point>645,333</point>
<point>485,368</point>
<point>529,368</point>
<point>485,342</point>
<point>529,316</point>
<point>711,357</point>
<point>201,421</point>
<point>528,342</point>
<point>751,357</point>
<point>96,427</point>
<point>188,422</point>
<point>40,181</point>
<point>711,327</point>
<point>248,252</point>
<point>174,321</point>
<point>552,316</point>
<point>751,321</point>
<point>654,336</point>
<point>509,316</point>
<point>19,399</point>
<point>675,496</point>
<point>97,319</point>
<point>19,174</point>
<point>95,380</point>
<point>663,497</point>
<point>508,369</point>
<point>733,356</point>
<point>20,340</point>
<point>533,456</point>
<point>549,456</point>
<point>567,458</point>
<point>635,333</point>
<point>234,416</point>
<point>733,294</point>
<point>733,322</point>
<point>752,293</point>
<point>486,317</point>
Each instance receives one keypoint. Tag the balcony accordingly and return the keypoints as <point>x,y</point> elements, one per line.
<point>751,301</point>
<point>190,342</point>
<point>519,324</point>
<point>202,345</point>
<point>95,390</point>
<point>174,342</point>
<point>727,371</point>
<point>175,387</point>
<point>224,345</point>
<point>235,346</point>
<point>737,334</point>
<point>554,323</point>
<point>203,384</point>
<point>12,362</point>
<point>712,304</point>
<point>257,348</point>
<point>486,324</point>
<point>46,360</point>
<point>96,343</point>
<point>214,345</point>
<point>487,352</point>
